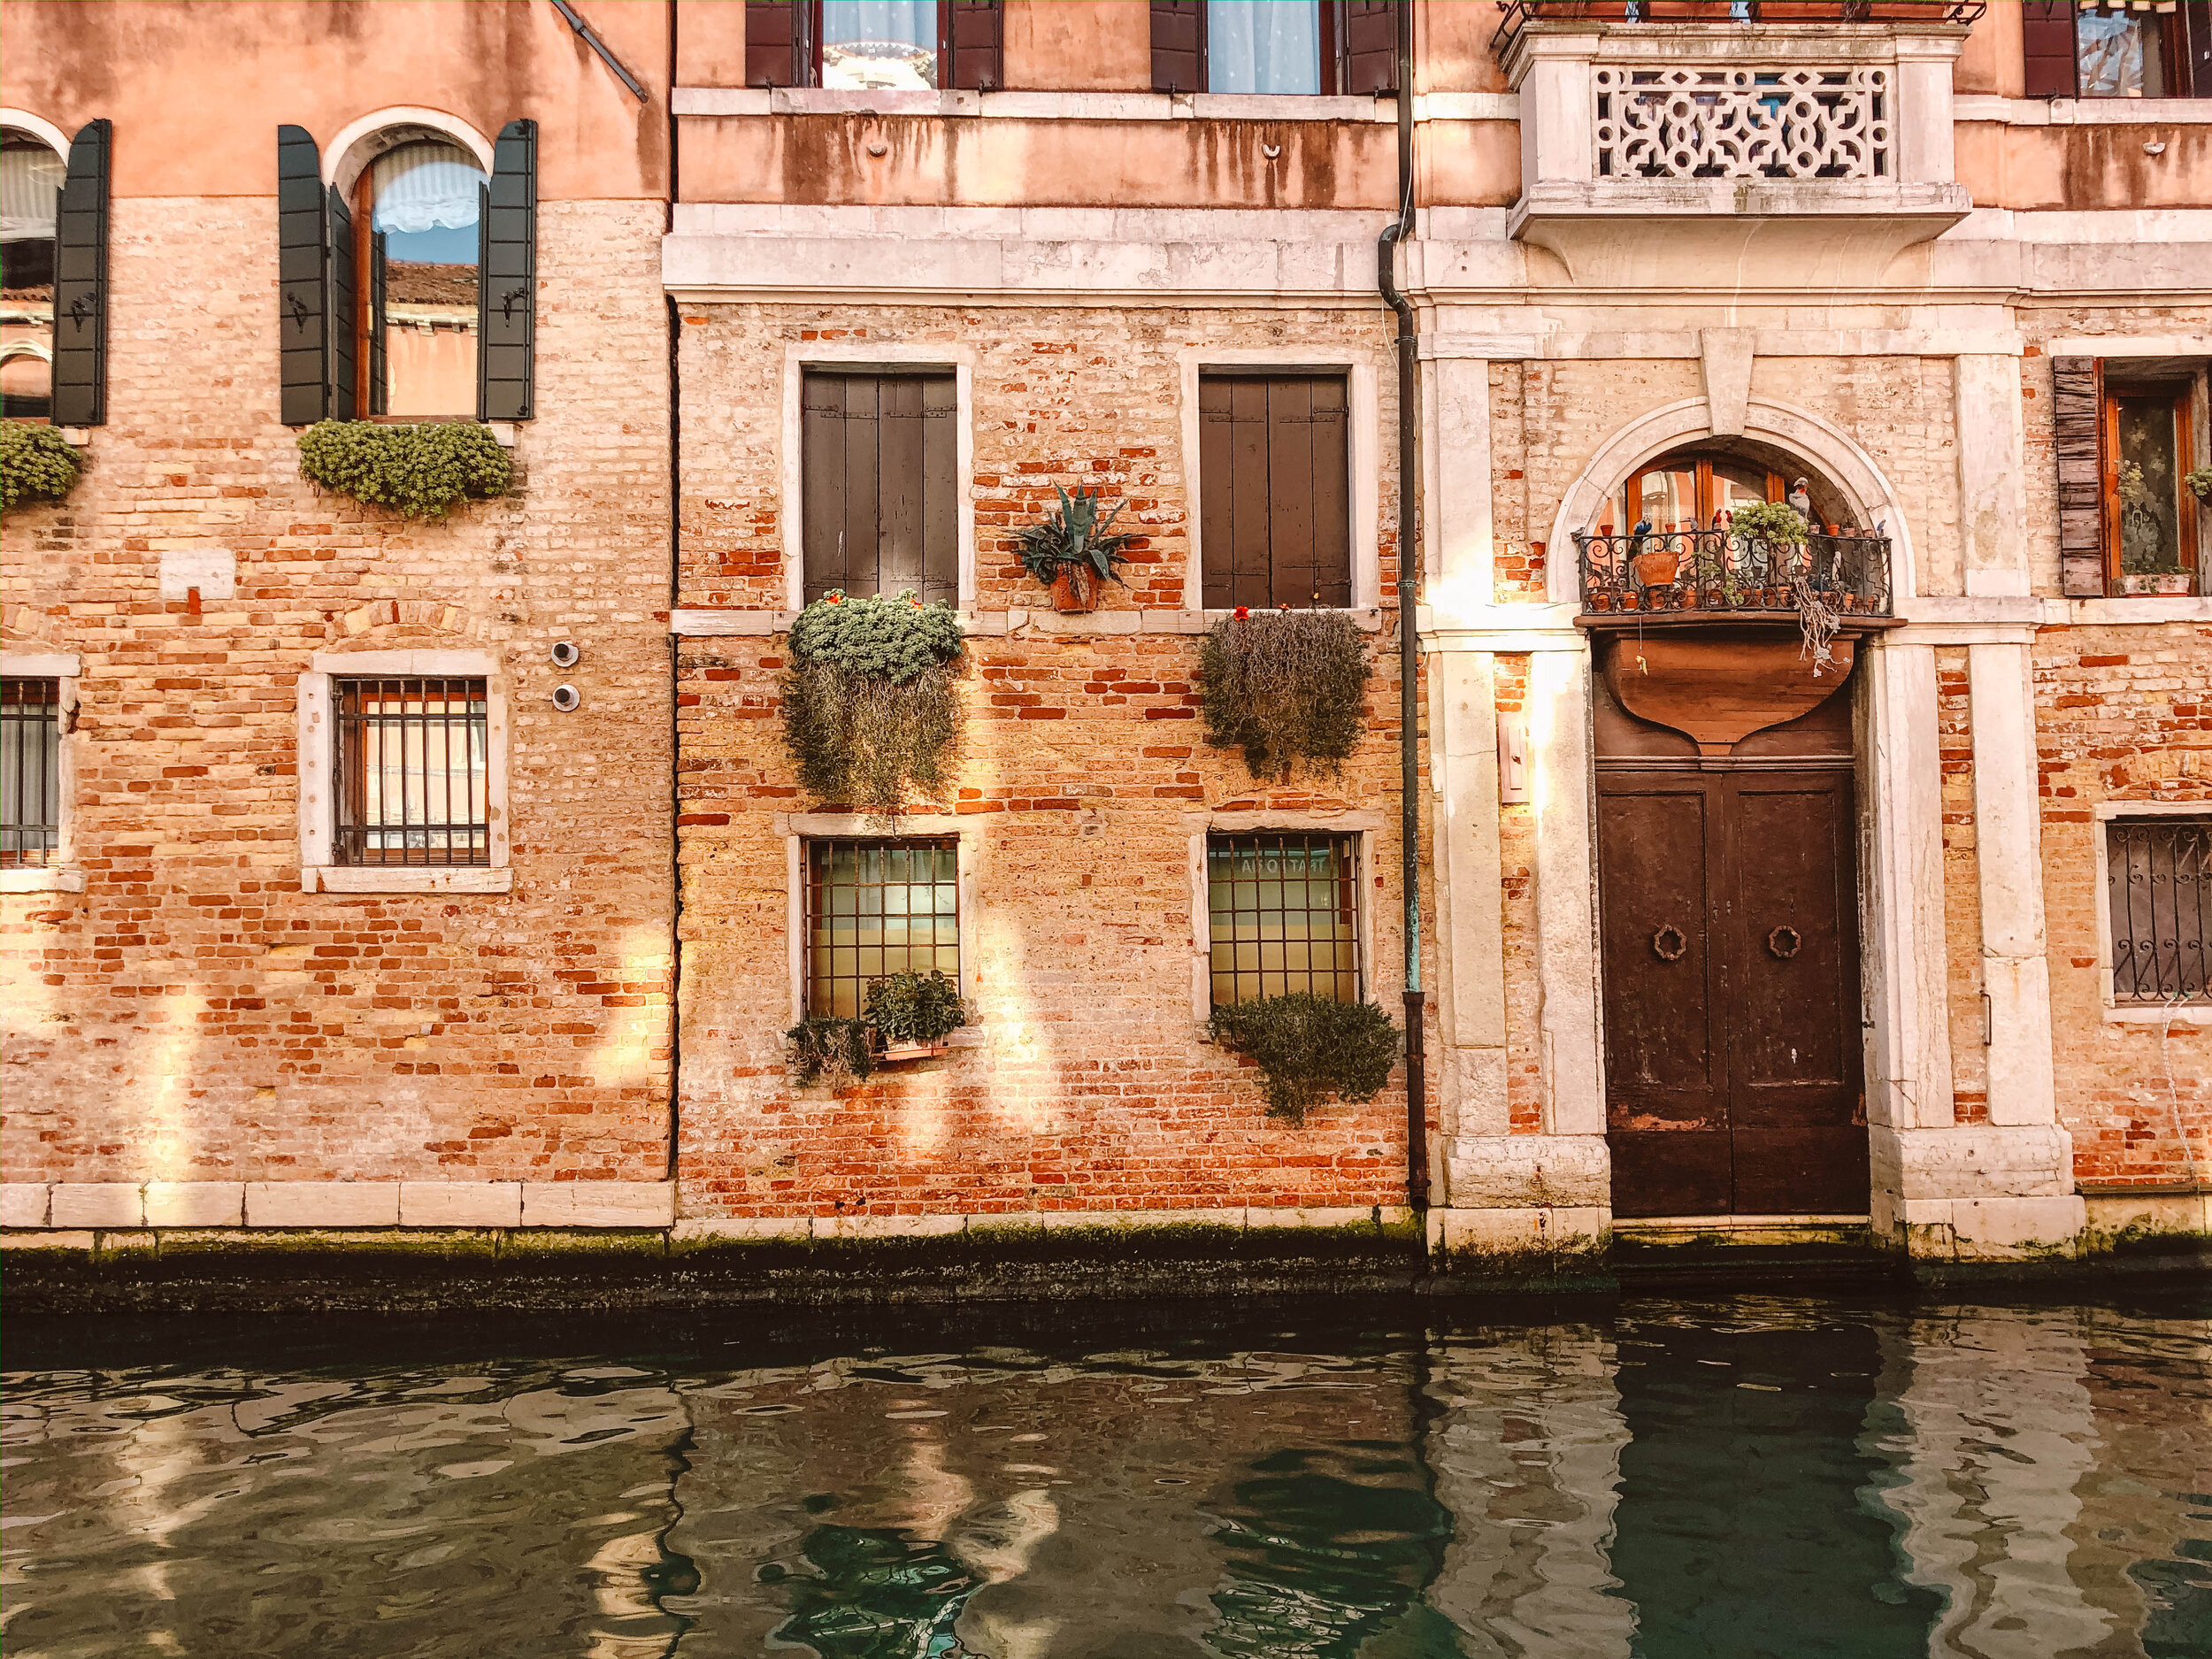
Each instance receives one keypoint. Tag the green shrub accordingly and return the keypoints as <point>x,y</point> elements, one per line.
<point>842,1051</point>
<point>1285,687</point>
<point>1776,523</point>
<point>915,1007</point>
<point>1074,534</point>
<point>869,708</point>
<point>1306,1047</point>
<point>37,463</point>
<point>419,471</point>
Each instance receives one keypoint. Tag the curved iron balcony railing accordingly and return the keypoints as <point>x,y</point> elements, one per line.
<point>1717,572</point>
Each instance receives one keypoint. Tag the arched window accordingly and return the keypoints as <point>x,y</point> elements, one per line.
<point>423,203</point>
<point>1697,486</point>
<point>31,175</point>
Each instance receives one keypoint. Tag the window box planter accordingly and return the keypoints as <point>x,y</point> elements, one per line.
<point>895,1052</point>
<point>2168,583</point>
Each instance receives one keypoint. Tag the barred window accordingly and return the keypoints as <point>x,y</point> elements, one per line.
<point>30,771</point>
<point>2158,874</point>
<point>413,775</point>
<point>1283,915</point>
<point>875,908</point>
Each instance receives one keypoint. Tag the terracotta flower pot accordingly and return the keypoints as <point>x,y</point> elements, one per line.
<point>1657,567</point>
<point>914,1050</point>
<point>1075,589</point>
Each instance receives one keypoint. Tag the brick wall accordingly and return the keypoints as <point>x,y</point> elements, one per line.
<point>1962,886</point>
<point>193,1015</point>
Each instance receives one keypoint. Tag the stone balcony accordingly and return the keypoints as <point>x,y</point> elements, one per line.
<point>1795,153</point>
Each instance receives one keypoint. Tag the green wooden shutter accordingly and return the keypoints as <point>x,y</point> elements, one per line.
<point>380,377</point>
<point>345,322</point>
<point>302,257</point>
<point>507,279</point>
<point>2077,417</point>
<point>81,284</point>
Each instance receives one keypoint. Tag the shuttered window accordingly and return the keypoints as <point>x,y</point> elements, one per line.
<point>1367,47</point>
<point>81,284</point>
<point>2158,880</point>
<point>1275,46</point>
<point>2076,413</point>
<point>1274,489</point>
<point>775,53</point>
<point>507,328</point>
<point>879,458</point>
<point>888,44</point>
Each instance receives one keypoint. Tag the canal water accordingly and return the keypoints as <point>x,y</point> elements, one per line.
<point>1701,1478</point>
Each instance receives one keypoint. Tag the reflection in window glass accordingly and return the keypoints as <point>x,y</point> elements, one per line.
<point>31,178</point>
<point>880,43</point>
<point>2119,55</point>
<point>422,311</point>
<point>1283,915</point>
<point>1263,46</point>
<point>876,907</point>
<point>2149,485</point>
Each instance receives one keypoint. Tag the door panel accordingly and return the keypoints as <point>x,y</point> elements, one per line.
<point>1660,1030</point>
<point>1670,1172</point>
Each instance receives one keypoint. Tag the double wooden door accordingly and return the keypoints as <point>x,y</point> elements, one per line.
<point>1731,992</point>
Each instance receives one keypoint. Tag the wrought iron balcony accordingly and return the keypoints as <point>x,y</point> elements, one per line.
<point>1697,573</point>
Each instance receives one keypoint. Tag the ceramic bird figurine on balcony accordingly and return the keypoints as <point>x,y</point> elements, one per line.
<point>1802,499</point>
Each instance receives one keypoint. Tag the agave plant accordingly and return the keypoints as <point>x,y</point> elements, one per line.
<point>1075,532</point>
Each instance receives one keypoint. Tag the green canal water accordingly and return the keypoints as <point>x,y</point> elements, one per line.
<point>1739,1476</point>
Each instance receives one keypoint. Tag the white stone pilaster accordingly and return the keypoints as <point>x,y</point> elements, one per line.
<point>1566,893</point>
<point>1908,1060</point>
<point>1471,923</point>
<point>2008,842</point>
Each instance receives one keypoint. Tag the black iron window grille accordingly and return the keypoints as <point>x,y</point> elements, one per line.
<point>875,908</point>
<point>30,771</point>
<point>2158,876</point>
<point>1283,915</point>
<point>413,772</point>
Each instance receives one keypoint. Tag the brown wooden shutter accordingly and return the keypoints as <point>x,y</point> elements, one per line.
<point>2196,48</point>
<point>1367,33</point>
<point>879,466</point>
<point>1179,45</point>
<point>2046,46</point>
<point>775,42</point>
<point>2077,417</point>
<point>975,45</point>
<point>1274,491</point>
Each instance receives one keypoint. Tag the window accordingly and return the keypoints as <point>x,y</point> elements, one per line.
<point>879,460</point>
<point>2150,514</point>
<point>2076,49</point>
<point>875,908</point>
<point>1687,491</point>
<point>874,45</point>
<point>30,771</point>
<point>2158,876</point>
<point>31,177</point>
<point>1283,915</point>
<point>1275,46</point>
<point>412,782</point>
<point>418,271</point>
<point>1274,488</point>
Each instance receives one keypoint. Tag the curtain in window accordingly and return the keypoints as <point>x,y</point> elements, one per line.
<point>1263,46</point>
<point>30,181</point>
<point>880,43</point>
<point>2119,55</point>
<point>426,186</point>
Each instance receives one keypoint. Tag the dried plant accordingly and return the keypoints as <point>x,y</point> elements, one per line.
<point>1308,1046</point>
<point>1285,686</point>
<point>1817,625</point>
<point>869,708</point>
<point>841,1050</point>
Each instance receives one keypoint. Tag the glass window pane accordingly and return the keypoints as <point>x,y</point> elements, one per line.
<point>421,289</point>
<point>31,177</point>
<point>2149,485</point>
<point>1263,46</point>
<point>2121,57</point>
<point>880,43</point>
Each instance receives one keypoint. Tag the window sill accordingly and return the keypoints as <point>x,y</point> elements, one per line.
<point>1067,106</point>
<point>42,879</point>
<point>2159,1014</point>
<point>406,879</point>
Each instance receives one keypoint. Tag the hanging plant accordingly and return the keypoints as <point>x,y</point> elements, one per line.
<point>1072,549</point>
<point>2199,481</point>
<point>419,471</point>
<point>913,1011</point>
<point>37,463</point>
<point>842,1051</point>
<point>1306,1047</point>
<point>868,707</point>
<point>1285,686</point>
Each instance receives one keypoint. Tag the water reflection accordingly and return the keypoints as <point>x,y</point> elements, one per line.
<point>1748,1477</point>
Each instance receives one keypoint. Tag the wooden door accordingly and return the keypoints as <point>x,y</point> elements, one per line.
<point>1731,992</point>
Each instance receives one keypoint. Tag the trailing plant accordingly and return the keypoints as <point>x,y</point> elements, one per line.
<point>37,463</point>
<point>915,1008</point>
<point>1775,523</point>
<point>419,471</point>
<point>868,706</point>
<point>1306,1047</point>
<point>1817,625</point>
<point>2199,481</point>
<point>1285,687</point>
<point>1074,533</point>
<point>842,1051</point>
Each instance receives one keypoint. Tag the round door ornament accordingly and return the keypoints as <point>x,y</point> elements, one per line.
<point>1669,943</point>
<point>1784,942</point>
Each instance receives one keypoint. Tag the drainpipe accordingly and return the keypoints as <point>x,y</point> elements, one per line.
<point>1408,646</point>
<point>675,656</point>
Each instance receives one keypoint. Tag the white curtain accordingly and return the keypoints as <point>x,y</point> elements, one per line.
<point>884,45</point>
<point>30,175</point>
<point>424,187</point>
<point>1263,45</point>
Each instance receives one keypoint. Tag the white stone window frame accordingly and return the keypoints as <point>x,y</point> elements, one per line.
<point>2115,1012</point>
<point>320,871</point>
<point>63,874</point>
<point>798,828</point>
<point>851,354</point>
<point>1363,828</point>
<point>1363,463</point>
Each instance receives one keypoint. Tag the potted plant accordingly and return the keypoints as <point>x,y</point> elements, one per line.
<point>912,1014</point>
<point>2199,481</point>
<point>2168,583</point>
<point>37,463</point>
<point>1285,687</point>
<point>868,707</point>
<point>824,1046</point>
<point>1655,567</point>
<point>1306,1047</point>
<point>1074,548</point>
<point>418,470</point>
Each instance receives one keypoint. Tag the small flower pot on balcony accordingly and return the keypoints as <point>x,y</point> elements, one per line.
<point>897,1051</point>
<point>1075,589</point>
<point>1657,567</point>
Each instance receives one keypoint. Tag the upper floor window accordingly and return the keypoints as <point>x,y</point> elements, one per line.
<point>31,177</point>
<point>1274,484</point>
<point>879,473</point>
<point>1687,491</point>
<point>418,271</point>
<point>2150,511</point>
<point>2076,50</point>
<point>874,45</point>
<point>1275,46</point>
